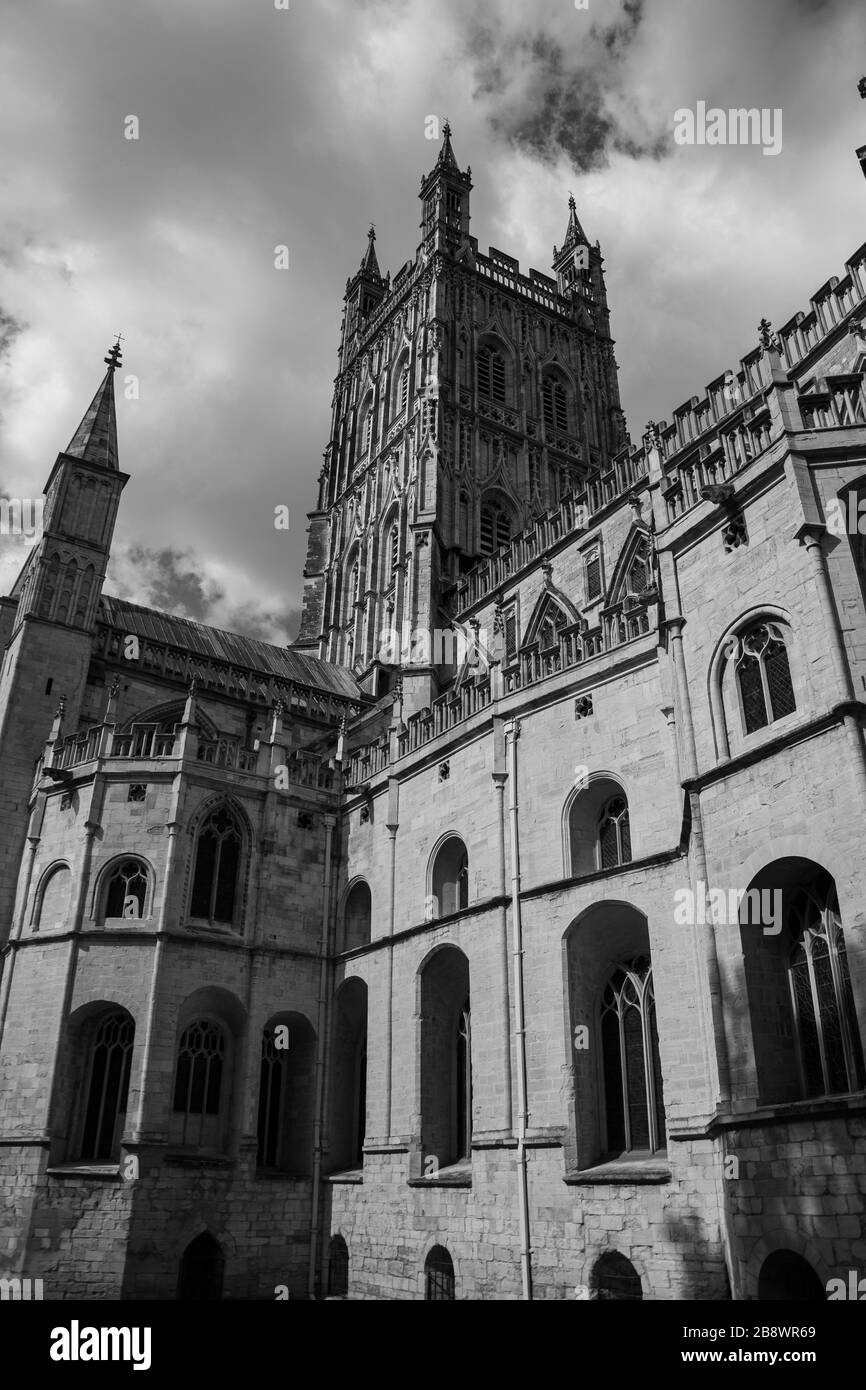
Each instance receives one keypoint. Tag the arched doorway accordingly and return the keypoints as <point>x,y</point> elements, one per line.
<point>786,1277</point>
<point>615,1278</point>
<point>201,1270</point>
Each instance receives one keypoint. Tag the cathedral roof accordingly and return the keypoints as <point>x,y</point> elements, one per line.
<point>95,440</point>
<point>200,640</point>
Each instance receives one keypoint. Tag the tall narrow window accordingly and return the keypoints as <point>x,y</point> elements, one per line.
<point>107,1087</point>
<point>614,834</point>
<point>272,1083</point>
<point>495,528</point>
<point>831,1056</point>
<point>368,432</point>
<point>393,552</point>
<point>592,574</point>
<point>463,1059</point>
<point>215,882</point>
<point>491,374</point>
<point>199,1074</point>
<point>555,405</point>
<point>439,1276</point>
<point>764,676</point>
<point>632,1072</point>
<point>126,890</point>
<point>404,390</point>
<point>450,879</point>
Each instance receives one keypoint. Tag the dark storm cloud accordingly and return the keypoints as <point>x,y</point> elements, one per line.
<point>173,584</point>
<point>547,92</point>
<point>298,127</point>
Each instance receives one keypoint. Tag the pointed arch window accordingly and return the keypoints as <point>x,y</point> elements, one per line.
<point>49,586</point>
<point>831,1056</point>
<point>592,574</point>
<point>126,890</point>
<point>614,834</point>
<point>495,527</point>
<point>639,573</point>
<point>198,1082</point>
<point>367,433</point>
<point>403,401</point>
<point>555,404</point>
<point>763,676</point>
<point>107,1087</point>
<point>463,1096</point>
<point>553,623</point>
<point>630,1052</point>
<point>217,869</point>
<point>393,551</point>
<point>338,1268</point>
<point>491,374</point>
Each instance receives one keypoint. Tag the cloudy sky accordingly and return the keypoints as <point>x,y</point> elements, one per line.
<point>261,126</point>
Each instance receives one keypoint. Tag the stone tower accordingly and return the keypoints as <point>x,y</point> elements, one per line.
<point>50,621</point>
<point>469,400</point>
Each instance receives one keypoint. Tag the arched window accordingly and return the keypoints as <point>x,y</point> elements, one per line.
<point>53,899</point>
<point>349,1076</point>
<point>393,551</point>
<point>286,1095</point>
<point>49,586</point>
<point>445,1071</point>
<point>640,571</point>
<point>366,425</point>
<point>495,527</point>
<point>630,1054</point>
<point>201,1270</point>
<point>614,835</point>
<point>403,391</point>
<point>555,404</point>
<point>338,1268</point>
<point>126,889</point>
<point>449,879</point>
<point>107,1087</point>
<point>217,869</point>
<point>198,1083</point>
<point>439,1276</point>
<point>615,1278</point>
<point>357,917</point>
<point>763,676</point>
<point>825,1021</point>
<point>491,374</point>
<point>554,620</point>
<point>463,1059</point>
<point>67,587</point>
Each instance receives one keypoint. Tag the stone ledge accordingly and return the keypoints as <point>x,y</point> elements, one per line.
<point>354,1176</point>
<point>620,1173</point>
<point>92,1172</point>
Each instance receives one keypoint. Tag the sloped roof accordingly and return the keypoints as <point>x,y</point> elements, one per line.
<point>200,640</point>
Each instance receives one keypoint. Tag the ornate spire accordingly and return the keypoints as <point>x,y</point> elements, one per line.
<point>574,233</point>
<point>446,154</point>
<point>369,264</point>
<point>95,440</point>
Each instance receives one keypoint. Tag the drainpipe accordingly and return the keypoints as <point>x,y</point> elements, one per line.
<point>500,777</point>
<point>320,1056</point>
<point>512,733</point>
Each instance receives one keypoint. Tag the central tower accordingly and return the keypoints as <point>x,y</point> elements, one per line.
<point>469,399</point>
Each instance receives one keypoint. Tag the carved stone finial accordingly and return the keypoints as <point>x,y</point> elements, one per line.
<point>114,688</point>
<point>768,338</point>
<point>861,87</point>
